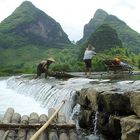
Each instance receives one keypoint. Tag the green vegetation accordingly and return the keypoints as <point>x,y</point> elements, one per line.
<point>26,58</point>
<point>28,36</point>
<point>23,14</point>
<point>68,59</point>
<point>104,38</point>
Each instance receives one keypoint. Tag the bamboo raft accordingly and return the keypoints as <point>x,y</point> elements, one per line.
<point>16,127</point>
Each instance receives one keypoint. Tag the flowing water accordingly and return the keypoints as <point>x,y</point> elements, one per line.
<point>21,103</point>
<point>28,95</point>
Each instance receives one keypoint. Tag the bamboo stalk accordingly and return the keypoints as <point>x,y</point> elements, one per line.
<point>36,135</point>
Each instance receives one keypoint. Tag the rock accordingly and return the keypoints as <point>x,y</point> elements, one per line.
<point>114,126</point>
<point>103,123</point>
<point>135,102</point>
<point>130,128</point>
<point>87,98</point>
<point>85,118</point>
<point>111,107</point>
<point>109,125</point>
<point>114,103</point>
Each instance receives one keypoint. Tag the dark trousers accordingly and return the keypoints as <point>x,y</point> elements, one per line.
<point>41,70</point>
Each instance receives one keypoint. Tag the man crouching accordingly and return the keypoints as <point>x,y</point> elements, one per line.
<point>43,67</point>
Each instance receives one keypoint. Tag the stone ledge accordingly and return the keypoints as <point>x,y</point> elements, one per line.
<point>130,128</point>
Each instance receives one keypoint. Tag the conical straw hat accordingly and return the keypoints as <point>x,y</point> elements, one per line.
<point>51,59</point>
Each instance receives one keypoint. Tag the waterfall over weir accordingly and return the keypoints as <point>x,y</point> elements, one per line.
<point>38,95</point>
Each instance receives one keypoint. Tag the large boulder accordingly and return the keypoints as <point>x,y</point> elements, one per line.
<point>114,103</point>
<point>130,128</point>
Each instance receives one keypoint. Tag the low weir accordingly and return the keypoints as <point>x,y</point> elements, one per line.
<point>48,94</point>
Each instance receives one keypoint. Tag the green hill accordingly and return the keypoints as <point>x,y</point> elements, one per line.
<point>29,25</point>
<point>129,37</point>
<point>27,36</point>
<point>104,38</point>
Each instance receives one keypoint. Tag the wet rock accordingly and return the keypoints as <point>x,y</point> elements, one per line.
<point>87,98</point>
<point>114,103</point>
<point>85,118</point>
<point>109,125</point>
<point>130,128</point>
<point>103,123</point>
<point>114,126</point>
<point>111,107</point>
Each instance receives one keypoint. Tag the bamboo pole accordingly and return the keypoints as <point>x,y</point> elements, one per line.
<point>36,135</point>
<point>36,126</point>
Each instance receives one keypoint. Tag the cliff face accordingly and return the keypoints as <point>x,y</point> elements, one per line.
<point>31,25</point>
<point>94,23</point>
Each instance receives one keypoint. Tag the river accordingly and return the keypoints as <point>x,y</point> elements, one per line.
<point>27,95</point>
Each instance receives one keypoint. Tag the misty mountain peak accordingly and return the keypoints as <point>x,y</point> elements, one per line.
<point>100,14</point>
<point>27,4</point>
<point>95,22</point>
<point>26,7</point>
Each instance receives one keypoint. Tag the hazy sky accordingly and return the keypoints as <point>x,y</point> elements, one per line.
<point>74,14</point>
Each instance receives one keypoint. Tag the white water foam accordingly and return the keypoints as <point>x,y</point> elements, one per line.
<point>21,103</point>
